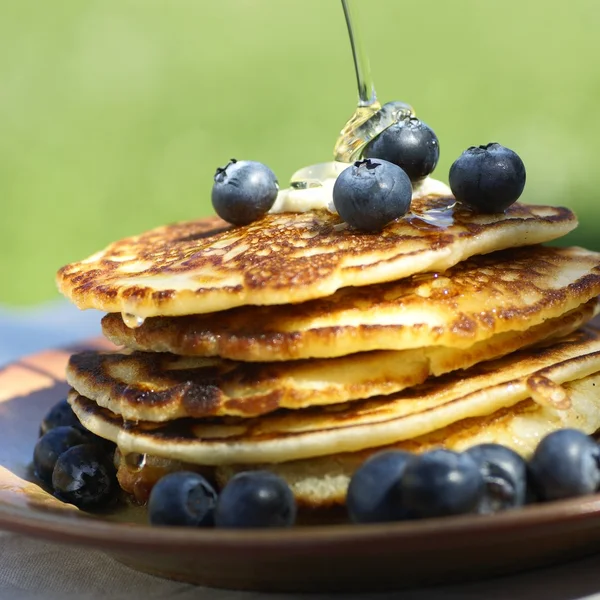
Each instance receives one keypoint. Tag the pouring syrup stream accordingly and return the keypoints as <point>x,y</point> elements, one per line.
<point>369,119</point>
<point>364,80</point>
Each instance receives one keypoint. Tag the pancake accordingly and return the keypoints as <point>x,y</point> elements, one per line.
<point>282,436</point>
<point>319,483</point>
<point>164,387</point>
<point>322,482</point>
<point>484,295</point>
<point>206,265</point>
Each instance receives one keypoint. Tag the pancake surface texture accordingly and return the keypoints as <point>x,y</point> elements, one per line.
<point>207,265</point>
<point>163,387</point>
<point>322,482</point>
<point>512,290</point>
<point>289,435</point>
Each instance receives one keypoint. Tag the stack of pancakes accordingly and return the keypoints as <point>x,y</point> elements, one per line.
<point>302,346</point>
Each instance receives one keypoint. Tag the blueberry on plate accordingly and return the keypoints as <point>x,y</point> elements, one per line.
<point>183,498</point>
<point>254,499</point>
<point>374,491</point>
<point>565,464</point>
<point>371,193</point>
<point>505,476</point>
<point>61,414</point>
<point>83,476</point>
<point>487,178</point>
<point>51,445</point>
<point>440,483</point>
<point>243,191</point>
<point>410,144</point>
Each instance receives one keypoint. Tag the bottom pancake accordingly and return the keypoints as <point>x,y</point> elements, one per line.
<point>320,483</point>
<point>514,401</point>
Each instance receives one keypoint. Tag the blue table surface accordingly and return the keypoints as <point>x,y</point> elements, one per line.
<point>27,330</point>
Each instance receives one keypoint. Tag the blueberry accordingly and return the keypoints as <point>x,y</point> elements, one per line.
<point>374,493</point>
<point>410,144</point>
<point>182,498</point>
<point>51,445</point>
<point>371,193</point>
<point>565,464</point>
<point>61,414</point>
<point>243,191</point>
<point>84,477</point>
<point>488,178</point>
<point>440,483</point>
<point>505,476</point>
<point>255,499</point>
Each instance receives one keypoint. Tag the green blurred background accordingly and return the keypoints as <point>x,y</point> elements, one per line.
<point>115,113</point>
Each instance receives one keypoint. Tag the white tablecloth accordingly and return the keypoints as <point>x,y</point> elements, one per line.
<point>32,569</point>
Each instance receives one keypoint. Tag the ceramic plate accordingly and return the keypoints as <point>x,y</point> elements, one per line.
<point>311,558</point>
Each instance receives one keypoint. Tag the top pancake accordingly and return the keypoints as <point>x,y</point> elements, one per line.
<point>207,265</point>
<point>512,290</point>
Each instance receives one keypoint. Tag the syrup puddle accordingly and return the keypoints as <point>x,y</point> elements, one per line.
<point>441,218</point>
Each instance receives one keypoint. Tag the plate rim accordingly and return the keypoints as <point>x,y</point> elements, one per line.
<point>50,523</point>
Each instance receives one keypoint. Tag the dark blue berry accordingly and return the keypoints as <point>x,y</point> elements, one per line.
<point>505,476</point>
<point>371,193</point>
<point>374,491</point>
<point>61,414</point>
<point>488,178</point>
<point>182,498</point>
<point>51,445</point>
<point>565,464</point>
<point>83,476</point>
<point>440,483</point>
<point>243,191</point>
<point>410,144</point>
<point>255,499</point>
